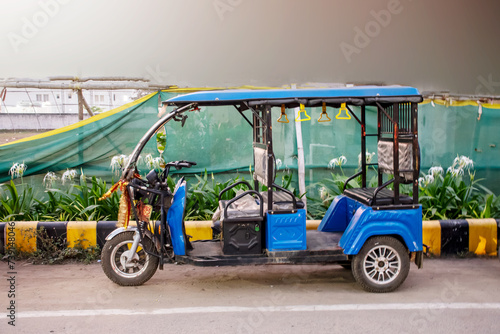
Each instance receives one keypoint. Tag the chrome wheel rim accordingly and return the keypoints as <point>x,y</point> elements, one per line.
<point>137,265</point>
<point>382,264</point>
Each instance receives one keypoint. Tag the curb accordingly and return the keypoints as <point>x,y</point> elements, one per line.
<point>461,236</point>
<point>440,237</point>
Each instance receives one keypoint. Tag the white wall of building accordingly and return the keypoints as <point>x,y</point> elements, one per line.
<point>61,101</point>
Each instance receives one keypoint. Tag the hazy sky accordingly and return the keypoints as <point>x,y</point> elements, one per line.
<point>434,45</point>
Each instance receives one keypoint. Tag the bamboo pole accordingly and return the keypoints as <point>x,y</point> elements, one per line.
<point>86,105</point>
<point>84,85</point>
<point>84,79</point>
<point>80,104</point>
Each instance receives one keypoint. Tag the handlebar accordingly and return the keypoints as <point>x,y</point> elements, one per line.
<point>178,166</point>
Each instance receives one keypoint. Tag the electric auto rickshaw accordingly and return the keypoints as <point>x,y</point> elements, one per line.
<point>377,231</point>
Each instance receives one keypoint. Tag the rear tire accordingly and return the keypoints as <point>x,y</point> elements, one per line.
<point>381,265</point>
<point>143,265</point>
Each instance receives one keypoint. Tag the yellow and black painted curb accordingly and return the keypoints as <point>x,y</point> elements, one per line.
<point>461,236</point>
<point>72,233</point>
<point>440,237</point>
<point>25,235</point>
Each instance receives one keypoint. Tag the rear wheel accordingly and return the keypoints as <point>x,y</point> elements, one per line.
<point>381,265</point>
<point>114,260</point>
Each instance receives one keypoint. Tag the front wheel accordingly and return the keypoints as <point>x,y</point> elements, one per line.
<point>138,270</point>
<point>381,265</point>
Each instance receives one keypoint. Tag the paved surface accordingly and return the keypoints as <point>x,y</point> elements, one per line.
<point>447,296</point>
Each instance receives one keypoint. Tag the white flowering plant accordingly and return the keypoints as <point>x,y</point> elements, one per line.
<point>68,176</point>
<point>154,163</point>
<point>49,179</point>
<point>452,195</point>
<point>17,170</point>
<point>340,161</point>
<point>118,162</point>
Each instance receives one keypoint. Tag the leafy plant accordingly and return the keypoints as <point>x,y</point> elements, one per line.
<point>17,202</point>
<point>452,195</point>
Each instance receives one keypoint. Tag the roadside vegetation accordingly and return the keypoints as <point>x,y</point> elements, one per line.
<point>451,194</point>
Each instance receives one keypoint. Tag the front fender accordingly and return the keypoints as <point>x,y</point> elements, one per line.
<point>119,230</point>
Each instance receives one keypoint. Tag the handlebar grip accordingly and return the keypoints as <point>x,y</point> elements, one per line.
<point>189,162</point>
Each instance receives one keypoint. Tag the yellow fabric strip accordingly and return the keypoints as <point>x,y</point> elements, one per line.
<point>483,236</point>
<point>199,89</point>
<point>431,236</point>
<point>462,103</point>
<point>25,236</point>
<point>82,234</point>
<point>84,122</point>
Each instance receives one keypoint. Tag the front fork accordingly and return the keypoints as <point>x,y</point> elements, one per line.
<point>133,248</point>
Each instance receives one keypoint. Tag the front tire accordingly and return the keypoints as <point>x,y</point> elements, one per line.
<point>381,265</point>
<point>113,257</point>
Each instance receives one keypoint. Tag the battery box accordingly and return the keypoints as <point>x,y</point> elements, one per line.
<point>244,237</point>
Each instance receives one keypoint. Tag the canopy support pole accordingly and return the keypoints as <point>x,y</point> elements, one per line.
<point>300,155</point>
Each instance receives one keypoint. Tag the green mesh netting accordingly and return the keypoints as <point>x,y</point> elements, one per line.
<point>220,140</point>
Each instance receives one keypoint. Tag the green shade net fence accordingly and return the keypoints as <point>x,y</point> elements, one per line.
<point>220,140</point>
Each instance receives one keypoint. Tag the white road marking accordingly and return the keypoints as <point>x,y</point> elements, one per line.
<point>239,309</point>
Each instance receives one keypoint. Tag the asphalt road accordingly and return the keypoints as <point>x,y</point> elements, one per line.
<point>447,296</point>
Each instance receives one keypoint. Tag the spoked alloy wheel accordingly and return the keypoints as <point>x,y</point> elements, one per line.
<point>114,260</point>
<point>381,265</point>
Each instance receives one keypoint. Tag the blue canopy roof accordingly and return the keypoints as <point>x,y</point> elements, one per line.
<point>359,95</point>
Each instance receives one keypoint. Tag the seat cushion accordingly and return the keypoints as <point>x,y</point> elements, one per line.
<point>384,196</point>
<point>241,208</point>
<point>282,201</point>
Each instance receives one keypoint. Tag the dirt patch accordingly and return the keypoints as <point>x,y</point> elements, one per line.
<point>10,136</point>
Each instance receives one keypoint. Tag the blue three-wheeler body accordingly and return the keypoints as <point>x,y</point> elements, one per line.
<point>376,231</point>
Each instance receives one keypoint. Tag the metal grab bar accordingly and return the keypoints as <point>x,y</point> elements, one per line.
<point>350,179</point>
<point>374,199</point>
<point>248,192</point>
<point>232,186</point>
<point>288,192</point>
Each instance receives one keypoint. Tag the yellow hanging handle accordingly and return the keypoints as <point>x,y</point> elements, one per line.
<point>283,114</point>
<point>324,113</point>
<point>302,110</point>
<point>343,108</point>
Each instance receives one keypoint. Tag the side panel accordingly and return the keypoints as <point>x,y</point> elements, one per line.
<point>335,219</point>
<point>339,214</point>
<point>175,217</point>
<point>286,232</point>
<point>368,222</point>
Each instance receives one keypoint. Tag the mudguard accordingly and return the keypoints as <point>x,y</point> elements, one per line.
<point>148,233</point>
<point>119,230</point>
<point>175,218</point>
<point>367,222</point>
